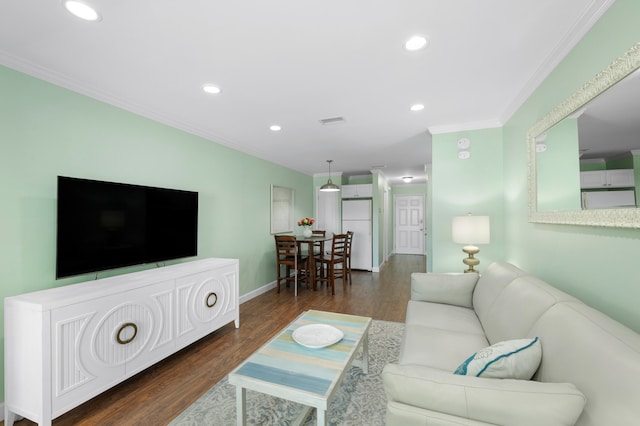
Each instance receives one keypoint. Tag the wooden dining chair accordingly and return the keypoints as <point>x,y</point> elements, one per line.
<point>347,262</point>
<point>330,262</point>
<point>289,257</point>
<point>318,246</point>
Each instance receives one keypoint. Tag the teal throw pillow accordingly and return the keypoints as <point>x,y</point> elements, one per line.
<point>511,359</point>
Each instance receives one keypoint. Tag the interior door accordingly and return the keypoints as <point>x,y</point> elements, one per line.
<point>409,224</point>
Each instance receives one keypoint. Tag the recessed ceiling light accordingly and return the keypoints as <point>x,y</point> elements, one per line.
<point>417,107</point>
<point>416,42</point>
<point>275,128</point>
<point>82,10</point>
<point>407,179</point>
<point>210,88</point>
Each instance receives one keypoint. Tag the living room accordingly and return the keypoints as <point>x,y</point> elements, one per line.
<point>47,130</point>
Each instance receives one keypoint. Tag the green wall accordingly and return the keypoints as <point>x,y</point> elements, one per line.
<point>47,131</point>
<point>558,169</point>
<point>624,162</point>
<point>460,186</point>
<point>596,264</point>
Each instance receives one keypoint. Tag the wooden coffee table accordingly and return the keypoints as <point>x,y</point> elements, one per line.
<point>288,370</point>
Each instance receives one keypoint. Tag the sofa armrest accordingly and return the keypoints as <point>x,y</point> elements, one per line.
<point>495,401</point>
<point>452,288</point>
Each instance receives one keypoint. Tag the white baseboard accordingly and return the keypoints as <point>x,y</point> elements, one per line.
<point>257,292</point>
<point>378,268</point>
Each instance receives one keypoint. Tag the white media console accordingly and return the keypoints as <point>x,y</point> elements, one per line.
<point>66,345</point>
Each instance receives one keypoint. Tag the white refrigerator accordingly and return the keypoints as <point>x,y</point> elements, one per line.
<point>356,217</point>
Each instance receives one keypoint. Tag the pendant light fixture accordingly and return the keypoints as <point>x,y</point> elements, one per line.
<point>329,186</point>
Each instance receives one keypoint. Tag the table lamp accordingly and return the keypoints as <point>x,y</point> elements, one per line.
<point>470,230</point>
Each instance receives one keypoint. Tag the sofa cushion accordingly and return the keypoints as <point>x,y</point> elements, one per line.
<point>513,359</point>
<point>599,355</point>
<point>518,306</point>
<point>444,317</point>
<point>437,348</point>
<point>440,335</point>
<point>399,414</point>
<point>493,401</point>
<point>496,277</point>
<point>450,288</point>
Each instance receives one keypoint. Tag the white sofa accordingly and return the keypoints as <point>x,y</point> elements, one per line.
<point>589,373</point>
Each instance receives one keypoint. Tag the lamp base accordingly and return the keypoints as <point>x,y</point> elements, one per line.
<point>471,261</point>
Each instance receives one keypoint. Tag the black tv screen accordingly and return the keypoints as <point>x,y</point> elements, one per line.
<point>106,225</point>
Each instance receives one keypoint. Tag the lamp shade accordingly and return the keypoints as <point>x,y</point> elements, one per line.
<point>470,229</point>
<point>329,186</point>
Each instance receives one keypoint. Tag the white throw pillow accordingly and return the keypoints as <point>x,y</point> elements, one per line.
<point>512,359</point>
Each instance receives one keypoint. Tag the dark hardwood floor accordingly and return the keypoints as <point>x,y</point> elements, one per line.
<point>158,394</point>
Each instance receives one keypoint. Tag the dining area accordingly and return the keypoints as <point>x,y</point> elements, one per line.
<point>313,258</point>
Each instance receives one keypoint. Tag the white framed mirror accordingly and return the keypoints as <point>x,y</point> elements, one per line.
<point>596,124</point>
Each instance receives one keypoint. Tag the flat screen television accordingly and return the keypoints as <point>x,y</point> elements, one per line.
<point>107,225</point>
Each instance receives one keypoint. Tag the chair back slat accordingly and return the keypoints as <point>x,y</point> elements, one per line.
<point>286,247</point>
<point>289,256</point>
<point>339,246</point>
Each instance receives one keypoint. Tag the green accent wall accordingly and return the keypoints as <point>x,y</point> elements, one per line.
<point>593,166</point>
<point>596,264</point>
<point>360,180</point>
<point>558,169</point>
<point>460,186</point>
<point>624,162</point>
<point>46,131</point>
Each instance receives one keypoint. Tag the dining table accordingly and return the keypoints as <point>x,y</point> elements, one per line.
<point>309,241</point>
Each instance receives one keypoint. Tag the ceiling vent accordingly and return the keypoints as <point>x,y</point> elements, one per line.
<point>333,120</point>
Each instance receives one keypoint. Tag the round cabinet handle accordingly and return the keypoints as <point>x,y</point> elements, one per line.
<point>121,329</point>
<point>208,300</point>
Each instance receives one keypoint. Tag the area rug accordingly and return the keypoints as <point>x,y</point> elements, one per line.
<point>359,401</point>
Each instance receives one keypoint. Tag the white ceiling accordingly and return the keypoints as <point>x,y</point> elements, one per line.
<point>295,62</point>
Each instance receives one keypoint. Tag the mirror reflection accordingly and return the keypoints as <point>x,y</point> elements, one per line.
<point>591,158</point>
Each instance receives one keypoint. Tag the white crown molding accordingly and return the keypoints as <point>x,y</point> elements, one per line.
<point>475,125</point>
<point>591,15</point>
<point>49,76</point>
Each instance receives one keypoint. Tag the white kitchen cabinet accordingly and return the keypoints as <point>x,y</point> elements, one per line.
<point>66,345</point>
<point>617,178</point>
<point>357,191</point>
